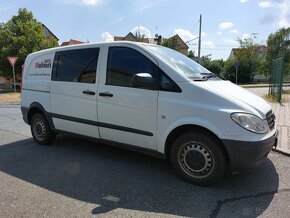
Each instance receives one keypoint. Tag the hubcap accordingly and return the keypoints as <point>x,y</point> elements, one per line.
<point>39,129</point>
<point>196,160</point>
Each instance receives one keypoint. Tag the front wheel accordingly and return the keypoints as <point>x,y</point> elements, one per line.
<point>41,130</point>
<point>198,158</point>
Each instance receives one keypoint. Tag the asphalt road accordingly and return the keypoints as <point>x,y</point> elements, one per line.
<point>79,178</point>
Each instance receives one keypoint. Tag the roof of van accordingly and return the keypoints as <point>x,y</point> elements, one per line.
<point>86,45</point>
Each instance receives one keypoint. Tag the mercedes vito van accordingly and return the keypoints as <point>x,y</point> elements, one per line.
<point>148,98</point>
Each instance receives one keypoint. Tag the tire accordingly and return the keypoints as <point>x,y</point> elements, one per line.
<point>198,158</point>
<point>41,130</point>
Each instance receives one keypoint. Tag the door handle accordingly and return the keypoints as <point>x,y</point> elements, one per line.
<point>89,92</point>
<point>105,94</point>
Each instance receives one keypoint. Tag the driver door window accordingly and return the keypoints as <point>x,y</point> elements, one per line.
<point>124,63</point>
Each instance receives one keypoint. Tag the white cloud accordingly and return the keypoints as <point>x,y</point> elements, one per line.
<point>147,6</point>
<point>142,30</point>
<point>185,35</point>
<point>285,14</point>
<point>244,1</point>
<point>234,31</point>
<point>134,13</point>
<point>265,4</point>
<point>207,44</point>
<point>279,14</point>
<point>107,37</point>
<point>226,25</point>
<point>219,33</point>
<point>92,2</point>
<point>246,36</point>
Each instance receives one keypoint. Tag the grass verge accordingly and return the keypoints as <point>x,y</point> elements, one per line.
<point>10,98</point>
<point>271,99</point>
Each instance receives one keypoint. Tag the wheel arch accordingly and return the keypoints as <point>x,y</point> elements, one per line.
<point>175,133</point>
<point>35,108</point>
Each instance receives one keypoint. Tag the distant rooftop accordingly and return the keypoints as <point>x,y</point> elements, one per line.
<point>130,37</point>
<point>72,42</point>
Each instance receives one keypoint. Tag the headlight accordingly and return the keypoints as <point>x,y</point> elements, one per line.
<point>250,122</point>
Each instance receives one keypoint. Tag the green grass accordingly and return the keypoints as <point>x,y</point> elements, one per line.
<point>271,99</point>
<point>10,98</point>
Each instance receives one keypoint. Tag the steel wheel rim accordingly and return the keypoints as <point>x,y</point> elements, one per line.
<point>39,129</point>
<point>196,160</point>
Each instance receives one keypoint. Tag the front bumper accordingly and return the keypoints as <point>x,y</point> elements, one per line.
<point>248,154</point>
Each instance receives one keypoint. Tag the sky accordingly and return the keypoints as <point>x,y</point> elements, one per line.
<point>223,21</point>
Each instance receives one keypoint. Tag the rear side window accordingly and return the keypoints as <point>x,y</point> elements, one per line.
<point>124,63</point>
<point>76,65</point>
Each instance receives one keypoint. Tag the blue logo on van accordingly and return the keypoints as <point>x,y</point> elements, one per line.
<point>44,64</point>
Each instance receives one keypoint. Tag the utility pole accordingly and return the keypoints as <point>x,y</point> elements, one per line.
<point>199,38</point>
<point>237,66</point>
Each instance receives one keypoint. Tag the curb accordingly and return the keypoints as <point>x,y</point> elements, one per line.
<point>282,151</point>
<point>260,86</point>
<point>9,105</point>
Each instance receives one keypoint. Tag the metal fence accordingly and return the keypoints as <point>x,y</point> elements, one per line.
<point>276,80</point>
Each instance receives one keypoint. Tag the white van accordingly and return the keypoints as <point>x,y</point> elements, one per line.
<point>148,98</point>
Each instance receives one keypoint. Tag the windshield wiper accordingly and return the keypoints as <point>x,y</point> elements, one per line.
<point>210,75</point>
<point>198,78</point>
<point>205,77</point>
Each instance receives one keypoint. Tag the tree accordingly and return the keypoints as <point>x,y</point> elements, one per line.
<point>279,44</point>
<point>170,43</point>
<point>229,70</point>
<point>205,61</point>
<point>191,54</point>
<point>215,66</point>
<point>249,58</point>
<point>248,61</point>
<point>20,36</point>
<point>139,37</point>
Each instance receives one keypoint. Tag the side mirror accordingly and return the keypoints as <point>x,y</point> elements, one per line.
<point>144,81</point>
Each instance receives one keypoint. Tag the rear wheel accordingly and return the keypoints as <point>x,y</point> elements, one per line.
<point>198,158</point>
<point>41,130</point>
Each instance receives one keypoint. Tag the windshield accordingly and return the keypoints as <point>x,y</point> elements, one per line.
<point>181,63</point>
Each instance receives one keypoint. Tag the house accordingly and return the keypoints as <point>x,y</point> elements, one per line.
<point>179,44</point>
<point>260,78</point>
<point>130,37</point>
<point>48,34</point>
<point>72,42</point>
<point>260,50</point>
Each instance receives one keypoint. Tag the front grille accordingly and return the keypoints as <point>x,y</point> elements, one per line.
<point>270,116</point>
